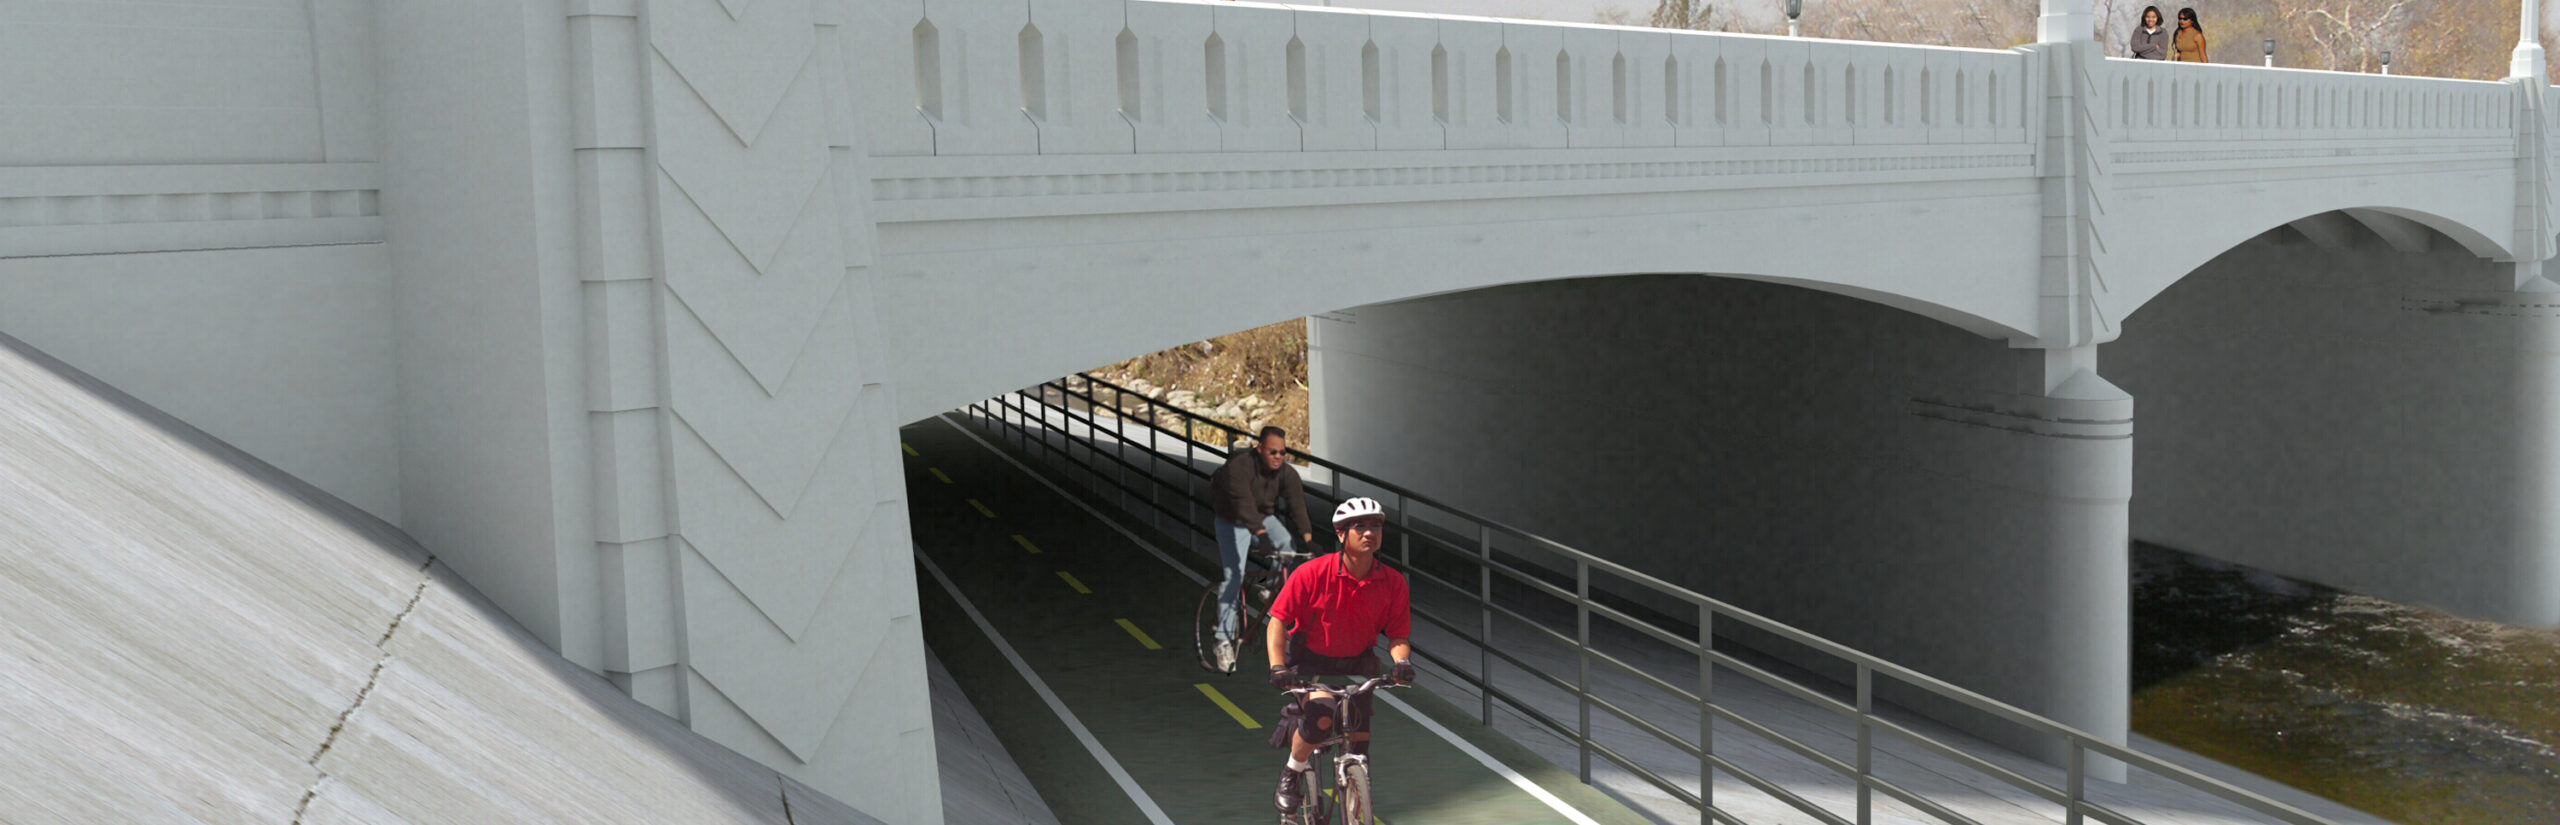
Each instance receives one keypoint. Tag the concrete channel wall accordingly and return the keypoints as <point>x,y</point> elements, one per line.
<point>1788,451</point>
<point>2342,412</point>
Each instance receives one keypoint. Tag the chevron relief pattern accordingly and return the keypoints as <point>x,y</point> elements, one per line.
<point>2097,188</point>
<point>742,538</point>
<point>770,313</point>
<point>2077,301</point>
<point>796,698</point>
<point>738,55</point>
<point>780,512</point>
<point>752,190</point>
<point>774,443</point>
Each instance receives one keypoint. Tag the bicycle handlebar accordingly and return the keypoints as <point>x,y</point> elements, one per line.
<point>1372,684</point>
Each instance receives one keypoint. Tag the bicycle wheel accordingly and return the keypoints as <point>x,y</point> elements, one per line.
<point>1204,632</point>
<point>1354,790</point>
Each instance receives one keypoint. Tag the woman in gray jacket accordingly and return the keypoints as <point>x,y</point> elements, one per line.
<point>2150,40</point>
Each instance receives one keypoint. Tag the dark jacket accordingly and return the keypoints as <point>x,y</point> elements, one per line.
<point>2149,45</point>
<point>1242,493</point>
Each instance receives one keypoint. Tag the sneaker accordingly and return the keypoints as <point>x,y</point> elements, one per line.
<point>1292,790</point>
<point>1224,652</point>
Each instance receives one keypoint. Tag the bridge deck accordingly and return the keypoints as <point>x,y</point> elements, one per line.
<point>1153,712</point>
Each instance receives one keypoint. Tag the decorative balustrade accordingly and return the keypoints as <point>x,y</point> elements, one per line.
<point>977,77</point>
<point>1187,81</point>
<point>2150,101</point>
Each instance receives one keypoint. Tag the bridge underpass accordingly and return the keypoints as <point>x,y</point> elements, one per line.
<point>1105,627</point>
<point>617,308</point>
<point>1125,519</point>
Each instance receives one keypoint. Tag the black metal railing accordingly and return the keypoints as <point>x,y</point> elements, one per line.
<point>1111,434</point>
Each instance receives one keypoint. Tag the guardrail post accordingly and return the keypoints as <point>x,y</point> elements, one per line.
<point>1866,745</point>
<point>1404,526</point>
<point>1043,435</point>
<point>1190,496</point>
<point>1015,421</point>
<point>1582,679</point>
<point>1119,401</point>
<point>1706,715</point>
<point>1155,454</point>
<point>2078,782</point>
<point>1484,610</point>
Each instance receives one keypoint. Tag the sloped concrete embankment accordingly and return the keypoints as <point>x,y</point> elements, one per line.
<point>188,635</point>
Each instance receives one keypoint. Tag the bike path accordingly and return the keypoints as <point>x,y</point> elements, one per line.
<point>1080,635</point>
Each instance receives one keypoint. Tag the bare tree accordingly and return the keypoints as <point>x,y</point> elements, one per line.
<point>1695,16</point>
<point>2348,34</point>
<point>2469,39</point>
<point>1970,23</point>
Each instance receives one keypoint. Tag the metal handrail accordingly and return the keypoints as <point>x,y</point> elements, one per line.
<point>2080,745</point>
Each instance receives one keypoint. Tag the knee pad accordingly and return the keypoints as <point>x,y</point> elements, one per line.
<point>1321,719</point>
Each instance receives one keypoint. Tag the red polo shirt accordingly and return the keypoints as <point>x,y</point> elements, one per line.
<point>1341,616</point>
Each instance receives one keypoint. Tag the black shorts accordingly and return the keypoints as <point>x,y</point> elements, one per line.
<point>1354,717</point>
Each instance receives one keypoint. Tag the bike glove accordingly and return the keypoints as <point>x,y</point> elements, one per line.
<point>1283,677</point>
<point>1403,672</point>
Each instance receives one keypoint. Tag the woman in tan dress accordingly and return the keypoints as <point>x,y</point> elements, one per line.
<point>2189,43</point>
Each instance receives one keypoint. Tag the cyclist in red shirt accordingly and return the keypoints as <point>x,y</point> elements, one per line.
<point>1325,622</point>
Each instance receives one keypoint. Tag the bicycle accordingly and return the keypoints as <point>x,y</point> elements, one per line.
<point>1253,605</point>
<point>1349,795</point>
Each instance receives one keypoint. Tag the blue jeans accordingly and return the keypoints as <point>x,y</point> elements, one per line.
<point>1233,540</point>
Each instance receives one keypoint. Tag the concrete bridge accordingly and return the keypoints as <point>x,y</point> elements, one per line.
<point>616,305</point>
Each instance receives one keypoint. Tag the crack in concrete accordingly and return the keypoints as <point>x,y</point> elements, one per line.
<point>371,679</point>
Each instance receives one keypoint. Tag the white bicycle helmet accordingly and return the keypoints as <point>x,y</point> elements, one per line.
<point>1359,507</point>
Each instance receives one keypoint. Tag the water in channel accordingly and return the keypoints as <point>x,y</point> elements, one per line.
<point>2405,712</point>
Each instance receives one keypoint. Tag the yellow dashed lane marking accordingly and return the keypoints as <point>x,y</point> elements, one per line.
<point>1079,586</point>
<point>937,474</point>
<point>982,508</point>
<point>1229,707</point>
<point>1150,644</point>
<point>1026,543</point>
<point>910,448</point>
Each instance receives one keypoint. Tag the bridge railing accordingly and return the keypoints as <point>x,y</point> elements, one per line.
<point>1048,77</point>
<point>1113,423</point>
<point>2151,100</point>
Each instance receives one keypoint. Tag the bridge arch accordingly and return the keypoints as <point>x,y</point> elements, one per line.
<point>2414,221</point>
<point>2291,374</point>
<point>968,317</point>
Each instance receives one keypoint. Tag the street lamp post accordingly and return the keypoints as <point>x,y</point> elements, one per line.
<point>2528,56</point>
<point>2271,52</point>
<point>1795,9</point>
<point>2065,21</point>
<point>2386,61</point>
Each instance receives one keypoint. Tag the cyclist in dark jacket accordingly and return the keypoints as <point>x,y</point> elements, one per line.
<point>1247,494</point>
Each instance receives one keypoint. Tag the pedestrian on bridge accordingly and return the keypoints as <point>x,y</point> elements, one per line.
<point>2190,40</point>
<point>2149,41</point>
<point>1247,495</point>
